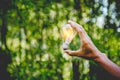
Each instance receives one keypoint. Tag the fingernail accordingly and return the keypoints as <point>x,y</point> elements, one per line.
<point>69,21</point>
<point>65,51</point>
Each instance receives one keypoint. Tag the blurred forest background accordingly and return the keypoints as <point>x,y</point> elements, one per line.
<point>30,39</point>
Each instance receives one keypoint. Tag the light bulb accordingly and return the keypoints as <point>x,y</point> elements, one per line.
<point>68,33</point>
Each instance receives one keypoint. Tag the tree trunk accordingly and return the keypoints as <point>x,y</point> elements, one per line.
<point>5,58</point>
<point>75,66</point>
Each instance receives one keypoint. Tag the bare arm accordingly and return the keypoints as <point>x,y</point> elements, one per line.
<point>108,65</point>
<point>89,51</point>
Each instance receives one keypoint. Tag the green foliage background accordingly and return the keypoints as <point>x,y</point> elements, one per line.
<point>30,33</point>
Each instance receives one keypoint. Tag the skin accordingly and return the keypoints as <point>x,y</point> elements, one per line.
<point>89,51</point>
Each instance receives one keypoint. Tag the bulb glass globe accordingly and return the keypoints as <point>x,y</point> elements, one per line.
<point>68,33</point>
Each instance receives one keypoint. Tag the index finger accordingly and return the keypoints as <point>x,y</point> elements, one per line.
<point>79,29</point>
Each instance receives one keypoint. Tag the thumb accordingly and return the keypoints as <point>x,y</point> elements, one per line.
<point>72,53</point>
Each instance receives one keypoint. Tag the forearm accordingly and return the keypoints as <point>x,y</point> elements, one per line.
<point>108,65</point>
<point>89,51</point>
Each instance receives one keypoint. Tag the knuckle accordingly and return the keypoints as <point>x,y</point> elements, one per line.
<point>80,31</point>
<point>86,43</point>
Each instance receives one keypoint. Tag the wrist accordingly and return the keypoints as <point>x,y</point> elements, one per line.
<point>100,58</point>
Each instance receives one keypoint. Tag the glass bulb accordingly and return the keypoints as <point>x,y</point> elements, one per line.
<point>68,33</point>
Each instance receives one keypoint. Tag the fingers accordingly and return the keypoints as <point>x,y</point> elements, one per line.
<point>79,29</point>
<point>73,53</point>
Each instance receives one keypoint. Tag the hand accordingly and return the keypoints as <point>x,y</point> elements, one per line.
<point>87,49</point>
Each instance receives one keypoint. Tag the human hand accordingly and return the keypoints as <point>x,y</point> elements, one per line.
<point>87,49</point>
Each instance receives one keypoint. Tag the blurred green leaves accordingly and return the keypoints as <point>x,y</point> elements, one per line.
<point>34,38</point>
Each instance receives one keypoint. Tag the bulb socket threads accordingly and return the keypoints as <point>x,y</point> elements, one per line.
<point>65,45</point>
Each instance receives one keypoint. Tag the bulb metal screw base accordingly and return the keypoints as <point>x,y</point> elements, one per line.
<point>65,45</point>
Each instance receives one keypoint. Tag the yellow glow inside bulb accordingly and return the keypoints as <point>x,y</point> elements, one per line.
<point>68,34</point>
